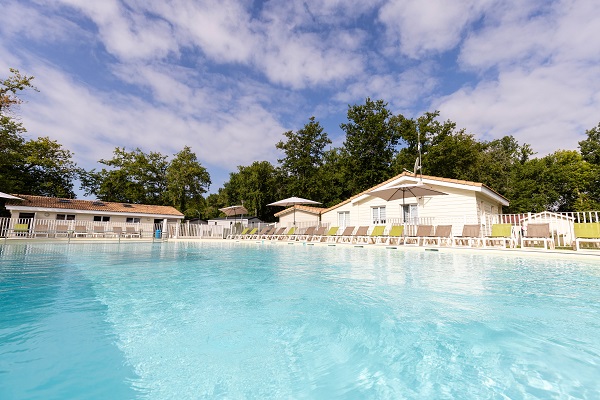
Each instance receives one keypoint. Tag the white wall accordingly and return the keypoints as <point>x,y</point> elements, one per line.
<point>459,206</point>
<point>302,218</point>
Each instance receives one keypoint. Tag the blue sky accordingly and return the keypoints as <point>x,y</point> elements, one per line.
<point>229,77</point>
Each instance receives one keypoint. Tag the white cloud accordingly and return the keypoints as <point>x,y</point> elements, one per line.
<point>401,90</point>
<point>419,28</point>
<point>548,107</point>
<point>92,123</point>
<point>126,33</point>
<point>20,20</point>
<point>539,76</point>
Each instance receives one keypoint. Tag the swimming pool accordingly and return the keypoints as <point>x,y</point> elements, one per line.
<point>245,320</point>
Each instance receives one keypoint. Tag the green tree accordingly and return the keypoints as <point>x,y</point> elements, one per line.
<point>187,180</point>
<point>255,186</point>
<point>134,176</point>
<point>10,89</point>
<point>48,169</point>
<point>590,147</point>
<point>372,135</point>
<point>41,166</point>
<point>304,156</point>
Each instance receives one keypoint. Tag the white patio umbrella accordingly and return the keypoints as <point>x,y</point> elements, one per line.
<point>9,196</point>
<point>234,210</point>
<point>404,191</point>
<point>291,202</point>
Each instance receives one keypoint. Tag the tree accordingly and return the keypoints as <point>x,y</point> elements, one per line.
<point>304,156</point>
<point>134,177</point>
<point>255,186</point>
<point>590,147</point>
<point>187,181</point>
<point>41,166</point>
<point>11,87</point>
<point>372,135</point>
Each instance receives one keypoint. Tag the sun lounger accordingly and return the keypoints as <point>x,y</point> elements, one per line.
<point>80,230</point>
<point>267,235</point>
<point>376,233</point>
<point>538,233</point>
<point>331,235</point>
<point>501,236</point>
<point>262,232</point>
<point>250,234</point>
<point>98,231</point>
<point>317,234</point>
<point>61,230</point>
<point>307,234</point>
<point>41,229</point>
<point>117,231</point>
<point>423,231</point>
<point>277,233</point>
<point>286,236</point>
<point>131,232</point>
<point>441,236</point>
<point>21,229</point>
<point>471,236</point>
<point>586,232</point>
<point>395,234</point>
<point>237,236</point>
<point>360,235</point>
<point>346,235</point>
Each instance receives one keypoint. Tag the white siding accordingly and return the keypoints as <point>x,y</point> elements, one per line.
<point>459,206</point>
<point>302,217</point>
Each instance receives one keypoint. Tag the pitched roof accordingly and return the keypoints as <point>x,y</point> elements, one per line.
<point>309,209</point>
<point>91,205</point>
<point>410,175</point>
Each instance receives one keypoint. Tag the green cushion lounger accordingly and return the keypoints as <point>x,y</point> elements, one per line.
<point>586,232</point>
<point>376,234</point>
<point>501,235</point>
<point>396,233</point>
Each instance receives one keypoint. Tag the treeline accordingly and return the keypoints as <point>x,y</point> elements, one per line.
<point>378,145</point>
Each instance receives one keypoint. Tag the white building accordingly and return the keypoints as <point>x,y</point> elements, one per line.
<point>465,202</point>
<point>51,212</point>
<point>302,215</point>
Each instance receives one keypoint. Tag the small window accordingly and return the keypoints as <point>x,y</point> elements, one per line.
<point>132,220</point>
<point>410,213</point>
<point>378,215</point>
<point>65,217</point>
<point>100,218</point>
<point>343,218</point>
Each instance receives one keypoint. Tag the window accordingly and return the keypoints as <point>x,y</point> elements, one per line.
<point>65,217</point>
<point>410,213</point>
<point>343,218</point>
<point>100,218</point>
<point>132,220</point>
<point>378,215</point>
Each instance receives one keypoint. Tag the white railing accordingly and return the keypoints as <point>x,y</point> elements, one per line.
<point>32,228</point>
<point>561,226</point>
<point>187,230</point>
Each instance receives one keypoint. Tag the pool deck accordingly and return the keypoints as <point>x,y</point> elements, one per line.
<point>537,252</point>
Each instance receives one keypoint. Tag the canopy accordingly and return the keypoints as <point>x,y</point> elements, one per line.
<point>234,210</point>
<point>9,196</point>
<point>291,202</point>
<point>403,191</point>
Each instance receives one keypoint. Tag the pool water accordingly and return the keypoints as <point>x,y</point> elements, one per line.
<point>246,320</point>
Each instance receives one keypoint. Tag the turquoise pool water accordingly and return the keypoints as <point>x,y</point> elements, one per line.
<point>236,320</point>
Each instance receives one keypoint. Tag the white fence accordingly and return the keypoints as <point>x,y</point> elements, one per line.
<point>561,226</point>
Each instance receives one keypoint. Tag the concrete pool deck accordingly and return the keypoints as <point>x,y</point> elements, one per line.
<point>536,252</point>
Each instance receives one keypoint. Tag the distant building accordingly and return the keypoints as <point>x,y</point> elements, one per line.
<point>89,211</point>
